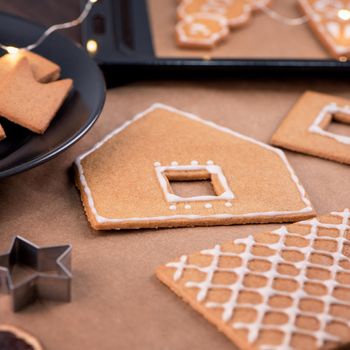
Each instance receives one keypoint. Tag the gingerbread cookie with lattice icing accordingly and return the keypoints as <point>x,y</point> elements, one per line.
<point>285,289</point>
<point>28,102</point>
<point>202,30</point>
<point>330,21</point>
<point>307,127</point>
<point>129,179</point>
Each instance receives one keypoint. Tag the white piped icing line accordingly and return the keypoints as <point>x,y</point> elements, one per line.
<point>174,163</point>
<point>101,219</point>
<point>156,164</point>
<point>321,336</point>
<point>330,109</point>
<point>211,169</point>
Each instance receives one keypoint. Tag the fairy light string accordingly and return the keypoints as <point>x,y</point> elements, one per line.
<point>283,19</point>
<point>88,6</point>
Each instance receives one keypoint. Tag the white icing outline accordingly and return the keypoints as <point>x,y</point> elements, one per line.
<point>257,215</point>
<point>316,18</point>
<point>210,41</point>
<point>289,328</point>
<point>326,110</point>
<point>211,169</point>
<point>233,22</point>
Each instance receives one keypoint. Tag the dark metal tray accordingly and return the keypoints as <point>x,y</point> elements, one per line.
<point>122,30</point>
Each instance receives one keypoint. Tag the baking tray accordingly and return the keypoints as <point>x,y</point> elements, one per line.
<point>123,32</point>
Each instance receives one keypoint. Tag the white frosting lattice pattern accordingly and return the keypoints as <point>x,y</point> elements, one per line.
<point>311,238</point>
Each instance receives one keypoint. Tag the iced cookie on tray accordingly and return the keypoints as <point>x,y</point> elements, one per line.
<point>236,12</point>
<point>284,289</point>
<point>202,31</point>
<point>330,21</point>
<point>130,178</point>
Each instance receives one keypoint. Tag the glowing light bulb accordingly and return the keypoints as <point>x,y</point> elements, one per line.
<point>93,1</point>
<point>344,14</point>
<point>92,46</point>
<point>11,50</point>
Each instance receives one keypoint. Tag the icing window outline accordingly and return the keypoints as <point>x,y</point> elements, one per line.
<point>215,170</point>
<point>331,108</point>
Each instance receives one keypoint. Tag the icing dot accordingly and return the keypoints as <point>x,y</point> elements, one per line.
<point>228,204</point>
<point>156,164</point>
<point>172,207</point>
<point>208,205</point>
<point>187,206</point>
<point>174,163</point>
<point>194,162</point>
<point>210,162</point>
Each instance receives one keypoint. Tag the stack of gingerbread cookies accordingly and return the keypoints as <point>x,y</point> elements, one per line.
<point>30,90</point>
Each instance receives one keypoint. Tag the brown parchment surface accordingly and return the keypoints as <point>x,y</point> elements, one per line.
<point>261,37</point>
<point>117,301</point>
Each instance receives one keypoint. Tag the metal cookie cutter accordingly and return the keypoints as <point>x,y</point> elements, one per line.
<point>51,278</point>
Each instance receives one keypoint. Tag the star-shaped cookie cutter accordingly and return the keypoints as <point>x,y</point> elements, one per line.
<point>51,279</point>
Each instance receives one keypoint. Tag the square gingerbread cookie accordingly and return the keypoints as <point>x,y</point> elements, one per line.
<point>305,127</point>
<point>128,180</point>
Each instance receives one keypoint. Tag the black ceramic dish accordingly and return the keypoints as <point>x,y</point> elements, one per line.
<point>22,149</point>
<point>122,28</point>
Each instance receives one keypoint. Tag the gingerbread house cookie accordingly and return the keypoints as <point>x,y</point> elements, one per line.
<point>285,289</point>
<point>330,21</point>
<point>128,179</point>
<point>305,129</point>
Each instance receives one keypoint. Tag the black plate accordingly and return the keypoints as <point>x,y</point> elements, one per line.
<point>122,29</point>
<point>22,149</point>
